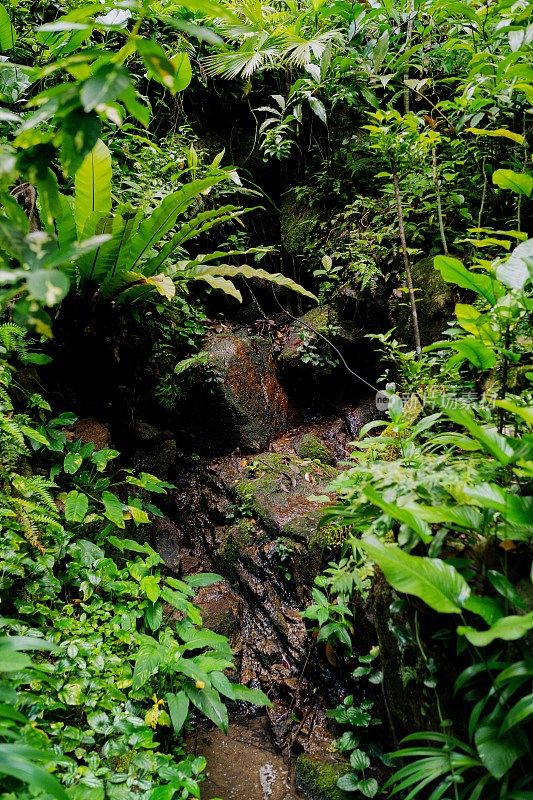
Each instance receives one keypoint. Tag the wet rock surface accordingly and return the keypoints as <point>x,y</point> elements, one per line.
<point>243,765</point>
<point>254,520</point>
<point>244,405</point>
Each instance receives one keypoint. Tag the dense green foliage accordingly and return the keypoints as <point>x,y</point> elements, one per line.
<point>397,129</point>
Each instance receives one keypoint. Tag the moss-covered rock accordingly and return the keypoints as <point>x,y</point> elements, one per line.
<point>241,404</point>
<point>277,492</point>
<point>434,304</point>
<point>317,780</point>
<point>298,220</point>
<point>310,446</point>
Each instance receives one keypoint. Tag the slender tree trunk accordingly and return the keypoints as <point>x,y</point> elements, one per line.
<point>436,181</point>
<point>406,261</point>
<point>408,41</point>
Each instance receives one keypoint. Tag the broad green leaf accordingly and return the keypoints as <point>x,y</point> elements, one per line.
<point>474,351</point>
<point>359,760</point>
<point>519,712</point>
<point>200,579</point>
<point>162,220</point>
<point>254,696</point>
<point>153,616</point>
<point>48,286</point>
<point>498,133</point>
<point>150,586</point>
<point>76,506</point>
<point>162,284</point>
<point>8,37</point>
<point>113,509</point>
<point>498,752</point>
<point>12,661</point>
<point>453,271</point>
<point>17,761</point>
<point>93,185</point>
<point>317,106</point>
<point>348,783</point>
<point>182,71</point>
<point>503,586</point>
<point>507,628</point>
<point>209,703</point>
<point>72,462</point>
<point>436,583</point>
<point>525,412</point>
<point>147,662</point>
<point>178,708</point>
<point>517,182</point>
<point>107,83</point>
<point>491,441</point>
<point>368,787</point>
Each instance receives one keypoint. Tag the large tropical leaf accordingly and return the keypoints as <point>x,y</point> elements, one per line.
<point>18,761</point>
<point>507,628</point>
<point>436,583</point>
<point>453,271</point>
<point>194,227</point>
<point>162,220</point>
<point>93,185</point>
<point>201,272</point>
<point>8,36</point>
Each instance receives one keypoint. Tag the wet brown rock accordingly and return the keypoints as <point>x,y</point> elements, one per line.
<point>244,406</point>
<point>221,608</point>
<point>89,429</point>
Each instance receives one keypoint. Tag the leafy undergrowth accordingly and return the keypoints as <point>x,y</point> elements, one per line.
<point>114,679</point>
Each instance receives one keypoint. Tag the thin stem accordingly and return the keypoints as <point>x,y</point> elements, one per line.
<point>408,41</point>
<point>436,182</point>
<point>483,194</point>
<point>406,262</point>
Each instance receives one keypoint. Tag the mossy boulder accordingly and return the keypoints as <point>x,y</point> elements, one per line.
<point>242,404</point>
<point>298,220</point>
<point>317,779</point>
<point>434,304</point>
<point>277,490</point>
<point>311,447</point>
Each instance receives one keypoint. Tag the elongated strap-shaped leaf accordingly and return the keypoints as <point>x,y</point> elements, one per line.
<point>93,185</point>
<point>87,265</point>
<point>163,219</point>
<point>8,37</point>
<point>194,227</point>
<point>436,583</point>
<point>222,284</point>
<point>245,271</point>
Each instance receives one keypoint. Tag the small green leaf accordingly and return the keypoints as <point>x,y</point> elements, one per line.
<point>72,462</point>
<point>107,83</point>
<point>359,760</point>
<point>113,509</point>
<point>348,783</point>
<point>150,586</point>
<point>368,787</point>
<point>209,703</point>
<point>76,506</point>
<point>178,708</point>
<point>517,182</point>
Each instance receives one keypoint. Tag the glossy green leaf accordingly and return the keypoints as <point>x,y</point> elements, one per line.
<point>93,186</point>
<point>113,509</point>
<point>107,83</point>
<point>507,628</point>
<point>436,583</point>
<point>76,506</point>
<point>178,708</point>
<point>8,36</point>
<point>517,182</point>
<point>209,703</point>
<point>453,271</point>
